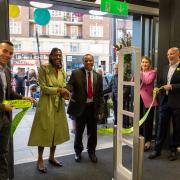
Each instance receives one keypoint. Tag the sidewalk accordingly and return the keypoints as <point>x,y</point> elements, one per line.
<point>24,153</point>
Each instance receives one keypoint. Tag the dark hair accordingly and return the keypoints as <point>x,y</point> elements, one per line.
<point>7,42</point>
<point>87,55</point>
<point>51,54</point>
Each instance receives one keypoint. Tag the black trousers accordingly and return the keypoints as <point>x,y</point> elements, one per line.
<point>87,119</point>
<point>4,139</point>
<point>165,115</point>
<point>146,129</point>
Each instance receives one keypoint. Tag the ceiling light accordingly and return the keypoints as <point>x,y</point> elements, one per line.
<point>40,5</point>
<point>97,13</point>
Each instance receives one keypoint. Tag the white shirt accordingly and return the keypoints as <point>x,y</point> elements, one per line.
<point>3,77</point>
<point>172,68</point>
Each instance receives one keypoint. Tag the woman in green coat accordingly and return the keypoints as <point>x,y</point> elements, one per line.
<point>50,123</point>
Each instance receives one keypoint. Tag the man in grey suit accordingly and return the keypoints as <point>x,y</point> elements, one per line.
<point>86,105</point>
<point>6,93</point>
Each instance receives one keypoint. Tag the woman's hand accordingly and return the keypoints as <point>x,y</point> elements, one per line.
<point>65,93</point>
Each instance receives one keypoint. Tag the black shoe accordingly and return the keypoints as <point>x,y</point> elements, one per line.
<point>172,156</point>
<point>93,157</point>
<point>77,157</point>
<point>154,155</point>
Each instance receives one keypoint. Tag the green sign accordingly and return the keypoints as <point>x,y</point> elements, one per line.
<point>114,7</point>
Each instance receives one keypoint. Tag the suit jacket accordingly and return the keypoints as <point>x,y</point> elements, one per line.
<point>10,94</point>
<point>78,86</point>
<point>174,94</point>
<point>146,87</point>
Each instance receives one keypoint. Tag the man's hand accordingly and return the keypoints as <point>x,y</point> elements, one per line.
<point>100,116</point>
<point>65,94</point>
<point>167,87</point>
<point>29,99</point>
<point>8,107</point>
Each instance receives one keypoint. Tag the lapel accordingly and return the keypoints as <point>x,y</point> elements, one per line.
<point>51,75</point>
<point>8,85</point>
<point>166,73</point>
<point>8,80</point>
<point>1,89</point>
<point>0,82</point>
<point>83,79</point>
<point>175,72</point>
<point>94,82</point>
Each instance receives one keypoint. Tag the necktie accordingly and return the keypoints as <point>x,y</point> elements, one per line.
<point>89,90</point>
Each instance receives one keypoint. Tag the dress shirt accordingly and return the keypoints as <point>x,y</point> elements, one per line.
<point>89,100</point>
<point>3,77</point>
<point>172,68</point>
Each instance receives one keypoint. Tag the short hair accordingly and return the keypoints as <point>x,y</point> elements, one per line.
<point>115,65</point>
<point>7,42</point>
<point>87,55</point>
<point>52,52</point>
<point>175,49</point>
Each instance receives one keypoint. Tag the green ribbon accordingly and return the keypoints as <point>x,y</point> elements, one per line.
<point>20,104</point>
<point>141,121</point>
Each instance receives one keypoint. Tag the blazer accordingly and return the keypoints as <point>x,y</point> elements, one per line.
<point>174,94</point>
<point>147,86</point>
<point>10,94</point>
<point>77,84</point>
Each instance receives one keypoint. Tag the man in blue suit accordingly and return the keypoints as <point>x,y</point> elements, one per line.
<point>169,105</point>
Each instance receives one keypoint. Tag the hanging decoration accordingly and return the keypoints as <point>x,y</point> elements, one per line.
<point>78,14</point>
<point>14,11</point>
<point>42,16</point>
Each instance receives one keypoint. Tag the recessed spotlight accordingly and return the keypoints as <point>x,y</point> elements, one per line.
<point>97,13</point>
<point>40,5</point>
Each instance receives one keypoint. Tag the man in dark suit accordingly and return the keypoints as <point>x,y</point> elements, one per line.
<point>6,93</point>
<point>169,105</point>
<point>86,105</point>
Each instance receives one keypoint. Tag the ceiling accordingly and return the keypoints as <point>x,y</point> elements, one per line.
<point>84,6</point>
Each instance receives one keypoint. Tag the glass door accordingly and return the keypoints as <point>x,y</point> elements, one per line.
<point>150,29</point>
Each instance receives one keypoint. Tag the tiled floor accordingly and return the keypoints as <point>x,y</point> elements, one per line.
<point>24,153</point>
